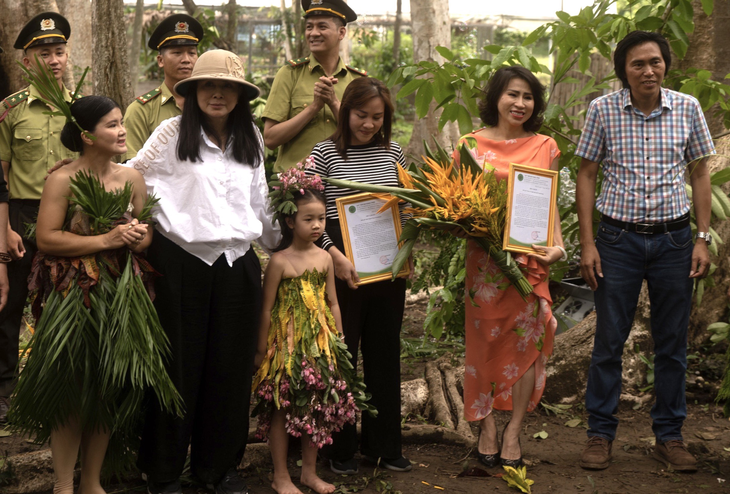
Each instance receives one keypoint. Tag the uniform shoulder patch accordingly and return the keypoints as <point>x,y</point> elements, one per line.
<point>12,101</point>
<point>15,99</point>
<point>298,61</point>
<point>357,71</point>
<point>147,97</point>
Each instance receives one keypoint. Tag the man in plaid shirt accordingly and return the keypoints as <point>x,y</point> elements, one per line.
<point>645,137</point>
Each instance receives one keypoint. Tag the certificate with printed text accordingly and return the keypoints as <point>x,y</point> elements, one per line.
<point>531,194</point>
<point>370,238</point>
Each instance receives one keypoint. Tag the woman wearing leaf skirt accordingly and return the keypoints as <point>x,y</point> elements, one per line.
<point>98,344</point>
<point>508,339</point>
<point>372,314</point>
<point>206,166</point>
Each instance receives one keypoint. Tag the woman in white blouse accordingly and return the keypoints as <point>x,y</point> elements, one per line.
<point>206,167</point>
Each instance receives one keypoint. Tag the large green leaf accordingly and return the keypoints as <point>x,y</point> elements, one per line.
<point>424,96</point>
<point>465,121</point>
<point>720,177</point>
<point>446,53</point>
<point>410,87</point>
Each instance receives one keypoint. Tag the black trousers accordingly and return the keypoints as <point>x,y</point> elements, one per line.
<point>210,314</point>
<point>20,212</point>
<point>372,317</point>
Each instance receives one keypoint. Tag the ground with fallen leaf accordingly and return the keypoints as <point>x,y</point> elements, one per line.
<point>552,441</point>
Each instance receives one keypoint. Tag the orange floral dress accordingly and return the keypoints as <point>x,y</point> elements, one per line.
<point>505,335</point>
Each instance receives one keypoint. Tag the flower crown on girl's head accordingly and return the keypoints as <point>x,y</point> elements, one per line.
<point>292,180</point>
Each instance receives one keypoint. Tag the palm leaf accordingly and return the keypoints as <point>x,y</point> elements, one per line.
<point>41,77</point>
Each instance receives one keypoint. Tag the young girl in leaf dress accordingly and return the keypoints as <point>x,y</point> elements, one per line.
<point>305,384</point>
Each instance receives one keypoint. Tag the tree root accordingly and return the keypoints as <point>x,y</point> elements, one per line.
<point>456,402</point>
<point>437,406</point>
<point>439,398</point>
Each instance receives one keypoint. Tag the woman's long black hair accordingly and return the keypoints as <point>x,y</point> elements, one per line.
<point>247,146</point>
<point>287,234</point>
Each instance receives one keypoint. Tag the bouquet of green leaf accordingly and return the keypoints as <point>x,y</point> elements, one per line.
<point>451,196</point>
<point>98,343</point>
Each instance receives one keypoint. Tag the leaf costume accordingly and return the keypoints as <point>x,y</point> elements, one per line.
<point>307,366</point>
<point>98,344</point>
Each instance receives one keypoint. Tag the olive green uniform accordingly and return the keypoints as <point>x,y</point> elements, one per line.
<point>291,92</point>
<point>145,114</point>
<point>30,141</point>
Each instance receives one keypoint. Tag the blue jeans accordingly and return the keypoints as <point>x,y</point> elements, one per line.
<point>628,258</point>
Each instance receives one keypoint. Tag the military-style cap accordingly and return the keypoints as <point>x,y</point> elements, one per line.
<point>177,29</point>
<point>44,29</point>
<point>333,8</point>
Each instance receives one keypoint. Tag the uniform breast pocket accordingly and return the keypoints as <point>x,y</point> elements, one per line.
<point>28,144</point>
<point>298,105</point>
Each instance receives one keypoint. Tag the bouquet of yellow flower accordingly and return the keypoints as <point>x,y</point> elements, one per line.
<point>451,196</point>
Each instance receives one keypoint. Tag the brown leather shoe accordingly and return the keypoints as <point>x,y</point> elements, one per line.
<point>596,453</point>
<point>674,455</point>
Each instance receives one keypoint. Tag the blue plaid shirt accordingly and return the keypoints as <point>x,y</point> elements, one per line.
<point>644,158</point>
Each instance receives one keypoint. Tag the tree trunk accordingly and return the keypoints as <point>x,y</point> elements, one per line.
<point>396,33</point>
<point>232,29</point>
<point>431,27</point>
<point>14,16</point>
<point>136,42</point>
<point>345,46</point>
<point>285,31</point>
<point>66,9</point>
<point>709,49</point>
<point>195,11</point>
<point>11,22</point>
<point>109,40</point>
<point>190,7</point>
<point>78,13</point>
<point>298,28</point>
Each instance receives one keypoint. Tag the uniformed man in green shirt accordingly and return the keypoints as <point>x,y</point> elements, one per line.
<point>177,39</point>
<point>30,144</point>
<point>304,101</point>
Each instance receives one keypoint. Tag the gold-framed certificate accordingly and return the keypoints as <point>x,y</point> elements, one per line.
<point>370,238</point>
<point>531,194</point>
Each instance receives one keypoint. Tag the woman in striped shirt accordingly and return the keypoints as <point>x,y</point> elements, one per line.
<point>361,150</point>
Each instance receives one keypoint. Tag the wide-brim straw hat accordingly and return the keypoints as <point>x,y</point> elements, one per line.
<point>220,65</point>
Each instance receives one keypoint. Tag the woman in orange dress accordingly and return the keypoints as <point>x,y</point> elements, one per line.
<point>508,339</point>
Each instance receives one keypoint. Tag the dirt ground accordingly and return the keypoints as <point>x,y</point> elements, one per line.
<point>552,462</point>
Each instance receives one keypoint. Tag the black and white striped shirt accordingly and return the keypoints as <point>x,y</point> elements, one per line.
<point>369,163</point>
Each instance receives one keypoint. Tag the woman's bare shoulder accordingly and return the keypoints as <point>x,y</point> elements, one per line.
<point>127,173</point>
<point>62,176</point>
